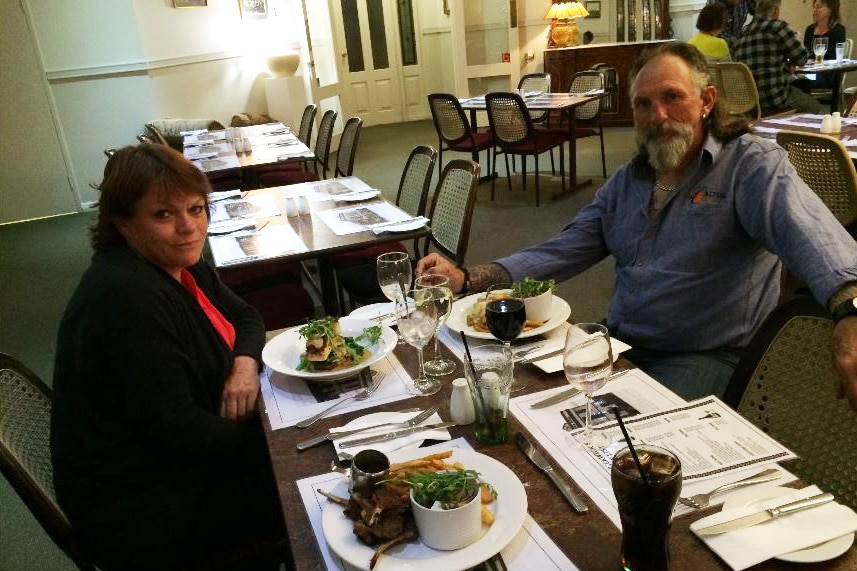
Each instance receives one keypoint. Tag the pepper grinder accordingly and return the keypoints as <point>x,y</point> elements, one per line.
<point>461,409</point>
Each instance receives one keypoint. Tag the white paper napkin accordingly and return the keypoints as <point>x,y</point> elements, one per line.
<point>746,547</point>
<point>412,440</point>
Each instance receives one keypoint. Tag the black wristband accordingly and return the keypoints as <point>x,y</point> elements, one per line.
<point>466,287</point>
<point>845,309</point>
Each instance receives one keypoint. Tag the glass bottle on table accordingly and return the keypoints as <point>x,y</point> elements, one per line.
<point>416,322</point>
<point>435,288</point>
<point>588,361</point>
<point>394,276</point>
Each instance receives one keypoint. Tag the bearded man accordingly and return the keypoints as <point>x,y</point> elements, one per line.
<point>697,223</point>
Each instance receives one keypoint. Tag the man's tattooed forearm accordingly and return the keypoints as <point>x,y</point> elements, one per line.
<point>484,276</point>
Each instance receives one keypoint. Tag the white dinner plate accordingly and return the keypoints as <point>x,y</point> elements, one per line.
<point>374,311</point>
<point>752,497</point>
<point>457,320</point>
<point>410,226</point>
<point>283,352</point>
<point>510,509</point>
<point>356,196</point>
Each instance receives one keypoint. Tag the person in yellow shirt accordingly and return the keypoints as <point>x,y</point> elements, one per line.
<point>710,23</point>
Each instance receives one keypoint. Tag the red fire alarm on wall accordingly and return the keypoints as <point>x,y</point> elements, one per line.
<point>506,57</point>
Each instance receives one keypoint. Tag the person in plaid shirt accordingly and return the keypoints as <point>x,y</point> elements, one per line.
<point>772,50</point>
<point>736,13</point>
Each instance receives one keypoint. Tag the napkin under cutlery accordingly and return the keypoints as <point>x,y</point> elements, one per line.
<point>746,547</point>
<point>411,440</point>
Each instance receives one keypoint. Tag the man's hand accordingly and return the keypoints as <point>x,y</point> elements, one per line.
<point>845,355</point>
<point>241,390</point>
<point>437,264</point>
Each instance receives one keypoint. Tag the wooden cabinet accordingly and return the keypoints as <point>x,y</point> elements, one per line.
<point>563,63</point>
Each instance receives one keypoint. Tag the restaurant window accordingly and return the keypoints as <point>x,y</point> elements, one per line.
<point>406,32</point>
<point>378,34</point>
<point>353,43</point>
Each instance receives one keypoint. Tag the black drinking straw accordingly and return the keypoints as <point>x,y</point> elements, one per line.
<point>472,382</point>
<point>630,446</point>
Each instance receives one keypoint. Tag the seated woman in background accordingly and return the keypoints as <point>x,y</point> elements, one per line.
<point>710,23</point>
<point>826,23</point>
<point>159,456</point>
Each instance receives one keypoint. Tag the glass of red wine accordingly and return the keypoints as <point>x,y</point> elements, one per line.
<point>505,315</point>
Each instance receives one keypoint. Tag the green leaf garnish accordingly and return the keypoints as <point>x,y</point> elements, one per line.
<point>529,287</point>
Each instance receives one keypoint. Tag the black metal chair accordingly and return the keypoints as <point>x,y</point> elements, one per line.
<point>514,134</point>
<point>784,384</point>
<point>453,129</point>
<point>307,119</point>
<point>452,210</point>
<point>411,197</point>
<point>25,458</point>
<point>347,147</point>
<point>588,116</point>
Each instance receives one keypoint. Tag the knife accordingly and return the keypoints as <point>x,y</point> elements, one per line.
<point>393,434</point>
<point>526,360</point>
<point>539,460</point>
<point>568,393</point>
<point>398,223</point>
<point>766,515</point>
<point>310,442</point>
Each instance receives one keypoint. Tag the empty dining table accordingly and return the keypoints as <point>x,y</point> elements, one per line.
<point>546,102</point>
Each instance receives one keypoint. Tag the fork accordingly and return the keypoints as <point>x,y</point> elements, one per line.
<point>360,395</point>
<point>700,501</point>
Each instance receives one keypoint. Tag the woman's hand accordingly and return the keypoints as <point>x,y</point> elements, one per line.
<point>437,264</point>
<point>238,401</point>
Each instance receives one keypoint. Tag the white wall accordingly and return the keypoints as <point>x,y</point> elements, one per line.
<point>114,65</point>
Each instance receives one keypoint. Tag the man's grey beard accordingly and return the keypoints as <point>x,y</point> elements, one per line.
<point>665,146</point>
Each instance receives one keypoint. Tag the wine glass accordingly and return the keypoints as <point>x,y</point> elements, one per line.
<point>435,287</point>
<point>819,47</point>
<point>587,361</point>
<point>417,321</point>
<point>505,314</point>
<point>394,276</point>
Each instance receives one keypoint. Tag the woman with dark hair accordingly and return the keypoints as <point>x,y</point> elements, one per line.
<point>159,457</point>
<point>710,23</point>
<point>826,23</point>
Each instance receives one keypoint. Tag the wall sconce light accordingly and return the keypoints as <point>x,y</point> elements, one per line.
<point>564,31</point>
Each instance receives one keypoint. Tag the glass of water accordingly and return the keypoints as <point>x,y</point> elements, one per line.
<point>819,47</point>
<point>417,321</point>
<point>394,276</point>
<point>588,361</point>
<point>435,288</point>
<point>840,51</point>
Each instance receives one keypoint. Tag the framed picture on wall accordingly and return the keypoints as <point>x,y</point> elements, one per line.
<point>594,9</point>
<point>253,8</point>
<point>189,3</point>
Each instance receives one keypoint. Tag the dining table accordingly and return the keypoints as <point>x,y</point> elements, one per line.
<point>808,123</point>
<point>269,227</point>
<point>591,540</point>
<point>830,67</point>
<point>550,102</point>
<point>220,152</point>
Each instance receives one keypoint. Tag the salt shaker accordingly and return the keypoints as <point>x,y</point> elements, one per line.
<point>248,148</point>
<point>827,124</point>
<point>291,207</point>
<point>238,145</point>
<point>303,204</point>
<point>836,123</point>
<point>461,409</point>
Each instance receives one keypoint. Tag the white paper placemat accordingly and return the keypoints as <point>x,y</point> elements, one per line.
<point>530,549</point>
<point>591,473</point>
<point>289,400</point>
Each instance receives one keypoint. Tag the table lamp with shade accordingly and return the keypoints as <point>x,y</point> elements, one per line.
<point>564,32</point>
